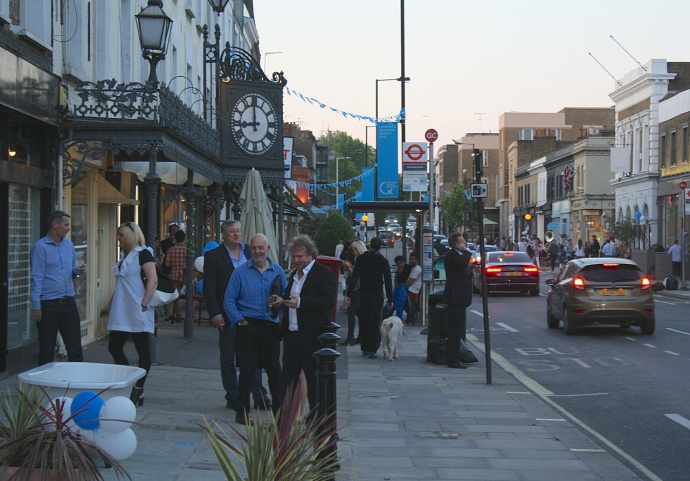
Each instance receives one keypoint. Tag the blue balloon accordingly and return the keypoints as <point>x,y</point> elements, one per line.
<point>85,409</point>
<point>200,287</point>
<point>208,247</point>
<point>638,215</point>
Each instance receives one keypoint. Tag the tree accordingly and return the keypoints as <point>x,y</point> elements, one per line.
<point>343,145</point>
<point>331,231</point>
<point>456,205</point>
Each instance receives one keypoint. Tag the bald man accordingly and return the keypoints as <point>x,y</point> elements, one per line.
<point>248,305</point>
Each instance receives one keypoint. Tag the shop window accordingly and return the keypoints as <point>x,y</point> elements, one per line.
<point>24,229</point>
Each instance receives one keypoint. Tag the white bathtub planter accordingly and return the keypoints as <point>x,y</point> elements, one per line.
<point>105,417</point>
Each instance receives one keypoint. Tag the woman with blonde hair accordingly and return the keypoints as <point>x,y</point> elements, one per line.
<point>128,308</point>
<point>357,248</point>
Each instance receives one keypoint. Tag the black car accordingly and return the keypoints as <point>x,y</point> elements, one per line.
<point>387,238</point>
<point>507,271</point>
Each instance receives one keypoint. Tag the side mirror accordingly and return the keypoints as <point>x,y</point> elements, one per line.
<point>549,282</point>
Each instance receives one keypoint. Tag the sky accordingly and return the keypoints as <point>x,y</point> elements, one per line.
<point>468,61</point>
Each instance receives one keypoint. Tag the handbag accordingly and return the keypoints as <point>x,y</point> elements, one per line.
<point>165,292</point>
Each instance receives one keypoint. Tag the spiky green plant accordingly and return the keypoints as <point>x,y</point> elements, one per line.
<point>36,436</point>
<point>279,448</point>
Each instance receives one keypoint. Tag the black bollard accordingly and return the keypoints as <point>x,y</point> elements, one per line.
<point>326,403</point>
<point>330,327</point>
<point>329,340</point>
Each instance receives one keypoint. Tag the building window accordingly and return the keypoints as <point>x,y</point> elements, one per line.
<point>34,22</point>
<point>684,145</point>
<point>485,158</point>
<point>526,134</point>
<point>662,152</point>
<point>674,149</point>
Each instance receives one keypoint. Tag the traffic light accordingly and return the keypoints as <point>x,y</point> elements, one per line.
<point>478,164</point>
<point>528,217</point>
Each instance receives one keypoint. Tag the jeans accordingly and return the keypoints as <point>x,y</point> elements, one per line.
<point>59,316</point>
<point>227,338</point>
<point>116,346</point>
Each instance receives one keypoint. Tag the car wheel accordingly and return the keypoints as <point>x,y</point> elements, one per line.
<point>551,321</point>
<point>648,327</point>
<point>569,327</point>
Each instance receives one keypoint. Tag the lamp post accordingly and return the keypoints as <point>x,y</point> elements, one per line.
<point>337,177</point>
<point>153,26</point>
<point>464,201</point>
<point>366,144</point>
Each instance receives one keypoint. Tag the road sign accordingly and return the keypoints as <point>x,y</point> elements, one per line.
<point>414,152</point>
<point>431,136</point>
<point>480,190</point>
<point>682,184</point>
<point>686,194</point>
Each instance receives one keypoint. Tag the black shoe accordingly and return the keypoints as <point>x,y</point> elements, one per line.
<point>356,341</point>
<point>137,396</point>
<point>457,365</point>
<point>347,342</point>
<point>264,405</point>
<point>232,404</point>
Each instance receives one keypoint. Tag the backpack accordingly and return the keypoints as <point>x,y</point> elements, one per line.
<point>530,252</point>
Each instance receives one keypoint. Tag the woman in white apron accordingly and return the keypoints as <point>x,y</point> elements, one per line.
<point>128,308</point>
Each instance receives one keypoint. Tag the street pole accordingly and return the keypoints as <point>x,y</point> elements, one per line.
<point>464,203</point>
<point>482,249</point>
<point>431,201</point>
<point>682,238</point>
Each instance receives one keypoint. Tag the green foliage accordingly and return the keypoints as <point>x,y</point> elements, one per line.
<point>278,448</point>
<point>331,231</point>
<point>359,155</point>
<point>624,231</point>
<point>310,226</point>
<point>456,205</point>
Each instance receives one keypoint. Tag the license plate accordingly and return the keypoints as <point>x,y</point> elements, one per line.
<point>513,273</point>
<point>614,292</point>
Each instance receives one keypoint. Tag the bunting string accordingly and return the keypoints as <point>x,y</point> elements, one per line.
<point>313,101</point>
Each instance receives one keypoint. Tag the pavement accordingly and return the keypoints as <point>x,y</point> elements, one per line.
<point>400,419</point>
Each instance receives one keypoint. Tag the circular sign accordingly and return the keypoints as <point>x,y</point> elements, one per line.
<point>431,136</point>
<point>683,184</point>
<point>415,152</point>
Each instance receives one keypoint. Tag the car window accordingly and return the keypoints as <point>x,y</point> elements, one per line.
<point>509,257</point>
<point>490,248</point>
<point>611,272</point>
<point>567,272</point>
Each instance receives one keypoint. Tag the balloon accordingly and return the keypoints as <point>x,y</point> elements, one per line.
<point>119,445</point>
<point>199,264</point>
<point>200,287</point>
<point>638,215</point>
<point>85,408</point>
<point>117,414</point>
<point>208,247</point>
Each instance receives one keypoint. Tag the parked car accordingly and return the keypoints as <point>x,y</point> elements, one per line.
<point>507,271</point>
<point>595,291</point>
<point>477,255</point>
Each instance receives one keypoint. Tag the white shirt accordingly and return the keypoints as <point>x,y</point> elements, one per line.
<point>339,250</point>
<point>296,290</point>
<point>416,274</point>
<point>675,252</point>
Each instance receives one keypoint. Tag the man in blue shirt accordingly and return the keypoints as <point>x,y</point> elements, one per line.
<point>53,309</point>
<point>248,303</point>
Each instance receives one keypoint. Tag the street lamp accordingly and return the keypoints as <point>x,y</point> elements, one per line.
<point>266,58</point>
<point>218,6</point>
<point>153,26</point>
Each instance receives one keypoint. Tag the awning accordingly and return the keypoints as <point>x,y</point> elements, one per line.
<point>170,172</point>
<point>489,222</point>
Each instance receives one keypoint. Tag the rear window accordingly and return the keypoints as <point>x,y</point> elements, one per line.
<point>509,257</point>
<point>611,273</point>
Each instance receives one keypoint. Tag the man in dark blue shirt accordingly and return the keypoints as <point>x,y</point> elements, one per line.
<point>53,309</point>
<point>248,303</point>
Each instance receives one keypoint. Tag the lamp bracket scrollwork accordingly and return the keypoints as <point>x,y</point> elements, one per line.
<point>238,64</point>
<point>75,153</point>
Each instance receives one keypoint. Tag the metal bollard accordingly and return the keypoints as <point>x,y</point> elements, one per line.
<point>326,397</point>
<point>330,327</point>
<point>329,340</point>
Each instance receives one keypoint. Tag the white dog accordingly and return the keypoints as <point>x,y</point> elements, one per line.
<point>391,329</point>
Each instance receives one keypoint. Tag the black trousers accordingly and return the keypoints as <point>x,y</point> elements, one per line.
<point>369,313</point>
<point>116,346</point>
<point>457,325</point>
<point>59,315</point>
<point>352,315</point>
<point>295,359</point>
<point>258,345</point>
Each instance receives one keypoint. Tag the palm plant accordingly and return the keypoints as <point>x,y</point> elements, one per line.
<point>36,437</point>
<point>279,448</point>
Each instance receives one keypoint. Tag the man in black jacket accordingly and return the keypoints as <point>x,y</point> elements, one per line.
<point>309,297</point>
<point>457,294</point>
<point>374,274</point>
<point>219,264</point>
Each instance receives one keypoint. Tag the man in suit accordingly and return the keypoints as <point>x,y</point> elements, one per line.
<point>457,294</point>
<point>219,264</point>
<point>309,297</point>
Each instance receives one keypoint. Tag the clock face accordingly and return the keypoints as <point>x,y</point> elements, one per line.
<point>254,123</point>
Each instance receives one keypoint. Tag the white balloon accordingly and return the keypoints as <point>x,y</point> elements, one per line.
<point>199,264</point>
<point>119,445</point>
<point>89,434</point>
<point>117,414</point>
